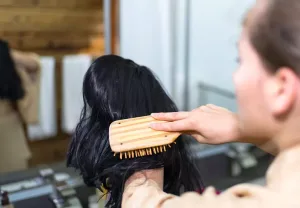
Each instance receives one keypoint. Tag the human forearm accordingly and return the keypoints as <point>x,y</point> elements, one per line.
<point>267,146</point>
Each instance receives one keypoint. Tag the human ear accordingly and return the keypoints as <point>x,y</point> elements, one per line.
<point>281,91</point>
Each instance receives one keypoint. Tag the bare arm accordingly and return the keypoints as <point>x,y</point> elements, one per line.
<point>210,124</point>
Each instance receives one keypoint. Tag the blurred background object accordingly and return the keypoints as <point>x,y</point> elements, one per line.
<point>189,44</point>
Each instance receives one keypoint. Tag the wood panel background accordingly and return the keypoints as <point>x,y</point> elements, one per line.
<point>55,28</point>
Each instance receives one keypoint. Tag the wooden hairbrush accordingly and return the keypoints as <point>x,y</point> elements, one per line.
<point>134,138</point>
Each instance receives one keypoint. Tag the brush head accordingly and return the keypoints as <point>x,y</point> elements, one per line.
<point>133,137</point>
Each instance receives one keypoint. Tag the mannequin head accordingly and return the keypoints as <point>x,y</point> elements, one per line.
<point>268,73</point>
<point>10,82</point>
<point>115,88</point>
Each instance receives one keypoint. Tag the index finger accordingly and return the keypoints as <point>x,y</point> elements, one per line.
<point>174,116</point>
<point>178,126</point>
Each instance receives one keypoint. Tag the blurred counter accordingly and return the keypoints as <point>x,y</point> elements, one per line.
<point>46,186</point>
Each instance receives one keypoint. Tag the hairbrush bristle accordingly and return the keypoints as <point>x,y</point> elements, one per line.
<point>144,152</point>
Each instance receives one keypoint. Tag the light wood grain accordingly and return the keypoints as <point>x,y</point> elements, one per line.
<point>51,34</point>
<point>135,134</point>
<point>70,4</point>
<point>72,41</point>
<point>37,19</point>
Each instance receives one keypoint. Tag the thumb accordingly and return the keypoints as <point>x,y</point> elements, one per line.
<point>197,136</point>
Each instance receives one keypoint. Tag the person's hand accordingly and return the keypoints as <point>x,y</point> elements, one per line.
<point>208,124</point>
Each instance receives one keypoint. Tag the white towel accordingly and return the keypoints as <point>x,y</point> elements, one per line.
<point>74,69</point>
<point>47,126</point>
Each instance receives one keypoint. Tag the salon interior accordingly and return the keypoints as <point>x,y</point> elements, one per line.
<point>188,44</point>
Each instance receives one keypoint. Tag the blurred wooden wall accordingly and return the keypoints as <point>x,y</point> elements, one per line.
<point>55,28</point>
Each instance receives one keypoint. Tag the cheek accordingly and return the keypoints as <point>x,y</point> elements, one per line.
<point>247,86</point>
<point>241,81</point>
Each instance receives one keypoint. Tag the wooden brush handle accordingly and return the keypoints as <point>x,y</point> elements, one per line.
<point>136,134</point>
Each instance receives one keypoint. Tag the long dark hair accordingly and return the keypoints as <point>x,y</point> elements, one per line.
<point>10,82</point>
<point>117,88</point>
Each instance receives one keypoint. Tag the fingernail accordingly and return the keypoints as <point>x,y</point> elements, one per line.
<point>154,114</point>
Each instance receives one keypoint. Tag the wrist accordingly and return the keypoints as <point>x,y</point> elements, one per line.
<point>237,134</point>
<point>242,137</point>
